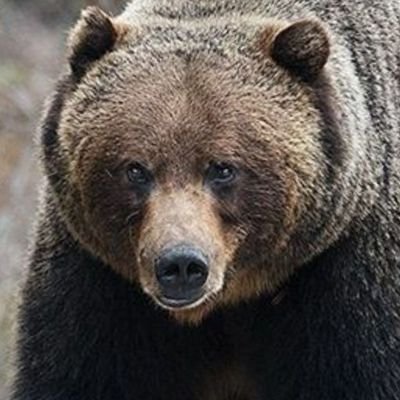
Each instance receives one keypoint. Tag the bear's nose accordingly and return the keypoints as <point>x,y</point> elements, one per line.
<point>181,273</point>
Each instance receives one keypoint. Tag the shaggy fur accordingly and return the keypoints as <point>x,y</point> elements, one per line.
<point>302,301</point>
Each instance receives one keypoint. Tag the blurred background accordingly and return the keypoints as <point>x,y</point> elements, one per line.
<point>32,38</point>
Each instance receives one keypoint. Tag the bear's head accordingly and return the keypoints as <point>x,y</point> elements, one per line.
<point>196,159</point>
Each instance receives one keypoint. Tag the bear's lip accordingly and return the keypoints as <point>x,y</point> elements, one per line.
<point>175,304</point>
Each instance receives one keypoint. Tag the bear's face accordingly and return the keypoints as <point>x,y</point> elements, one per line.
<point>190,175</point>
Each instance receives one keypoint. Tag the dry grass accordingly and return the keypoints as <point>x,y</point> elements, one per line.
<point>31,47</point>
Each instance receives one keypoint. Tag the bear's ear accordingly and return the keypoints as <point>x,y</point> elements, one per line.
<point>94,35</point>
<point>302,48</point>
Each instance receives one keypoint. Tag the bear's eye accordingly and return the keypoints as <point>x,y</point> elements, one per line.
<point>139,175</point>
<point>220,174</point>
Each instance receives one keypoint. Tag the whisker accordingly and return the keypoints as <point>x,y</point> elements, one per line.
<point>132,215</point>
<point>107,171</point>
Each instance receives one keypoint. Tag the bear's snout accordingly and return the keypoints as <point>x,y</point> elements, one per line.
<point>181,273</point>
<point>183,250</point>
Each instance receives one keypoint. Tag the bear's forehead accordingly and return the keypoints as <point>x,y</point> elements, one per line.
<point>174,108</point>
<point>170,103</point>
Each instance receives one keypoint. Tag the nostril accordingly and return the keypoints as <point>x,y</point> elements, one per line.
<point>196,272</point>
<point>168,273</point>
<point>171,273</point>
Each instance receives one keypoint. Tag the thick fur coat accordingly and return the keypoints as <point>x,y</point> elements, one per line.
<point>303,296</point>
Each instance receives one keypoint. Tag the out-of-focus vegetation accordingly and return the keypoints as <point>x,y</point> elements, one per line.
<point>32,36</point>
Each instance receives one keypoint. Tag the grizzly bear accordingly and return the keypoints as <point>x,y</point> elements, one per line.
<point>220,208</point>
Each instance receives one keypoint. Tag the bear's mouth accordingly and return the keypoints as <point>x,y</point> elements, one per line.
<point>183,303</point>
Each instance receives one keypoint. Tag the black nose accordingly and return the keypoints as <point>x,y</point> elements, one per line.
<point>181,272</point>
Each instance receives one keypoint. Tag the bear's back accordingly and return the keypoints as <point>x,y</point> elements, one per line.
<point>187,9</point>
